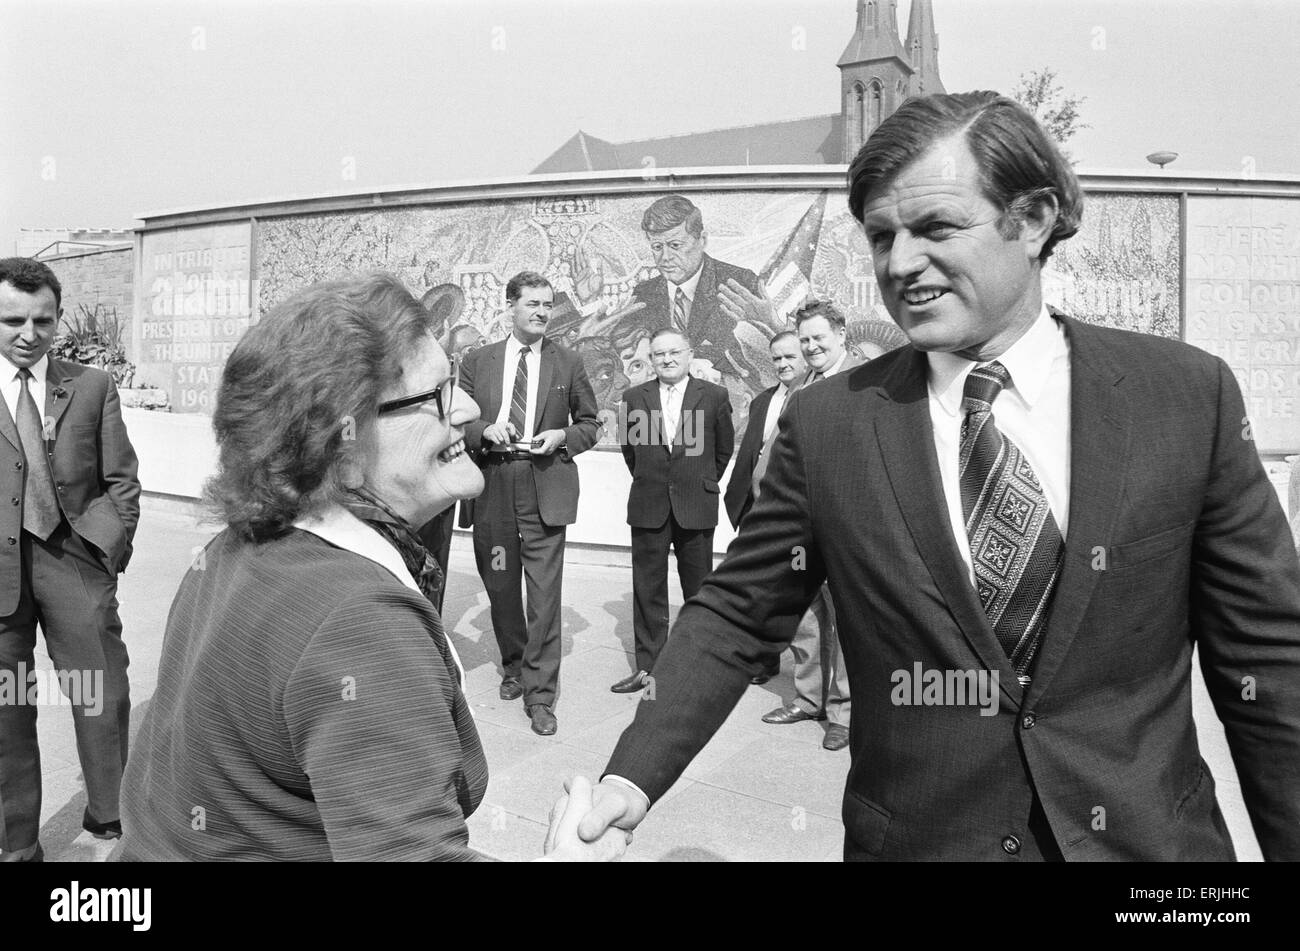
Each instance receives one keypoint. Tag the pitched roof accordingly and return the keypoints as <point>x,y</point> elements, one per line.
<point>815,140</point>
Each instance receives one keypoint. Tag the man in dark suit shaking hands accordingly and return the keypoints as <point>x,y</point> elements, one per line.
<point>1028,524</point>
<point>677,438</point>
<point>538,412</point>
<point>70,506</point>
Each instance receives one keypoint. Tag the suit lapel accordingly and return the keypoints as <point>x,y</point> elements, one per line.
<point>1099,436</point>
<point>906,438</point>
<point>9,428</point>
<point>489,398</point>
<point>546,370</point>
<point>704,304</point>
<point>690,399</point>
<point>59,389</point>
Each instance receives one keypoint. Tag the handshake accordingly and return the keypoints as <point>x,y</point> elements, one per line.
<point>593,824</point>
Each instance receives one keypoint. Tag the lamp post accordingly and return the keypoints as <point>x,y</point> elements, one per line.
<point>1162,158</point>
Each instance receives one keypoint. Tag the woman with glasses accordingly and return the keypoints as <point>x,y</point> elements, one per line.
<point>309,703</point>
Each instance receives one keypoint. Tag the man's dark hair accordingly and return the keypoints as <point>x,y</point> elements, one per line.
<point>515,286</point>
<point>670,211</point>
<point>1020,166</point>
<point>819,308</point>
<point>299,387</point>
<point>29,276</point>
<point>782,335</point>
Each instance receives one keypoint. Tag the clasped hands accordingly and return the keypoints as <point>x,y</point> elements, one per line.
<point>592,824</point>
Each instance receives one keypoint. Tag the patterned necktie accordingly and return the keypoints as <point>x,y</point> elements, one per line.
<point>1015,544</point>
<point>672,412</point>
<point>679,310</point>
<point>519,399</point>
<point>40,505</point>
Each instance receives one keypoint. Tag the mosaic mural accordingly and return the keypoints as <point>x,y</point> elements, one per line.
<point>1121,270</point>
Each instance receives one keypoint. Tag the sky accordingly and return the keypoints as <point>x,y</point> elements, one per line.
<point>111,109</point>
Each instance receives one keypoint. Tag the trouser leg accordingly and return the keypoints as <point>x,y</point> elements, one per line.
<point>838,707</point>
<point>496,553</point>
<point>809,677</point>
<point>650,592</point>
<point>20,757</point>
<point>542,554</point>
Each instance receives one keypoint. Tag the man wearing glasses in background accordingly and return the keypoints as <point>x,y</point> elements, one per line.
<point>538,412</point>
<point>677,438</point>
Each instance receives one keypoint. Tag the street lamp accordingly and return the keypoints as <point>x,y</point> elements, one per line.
<point>1161,158</point>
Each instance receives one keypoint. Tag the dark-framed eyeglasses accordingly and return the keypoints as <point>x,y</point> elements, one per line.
<point>442,395</point>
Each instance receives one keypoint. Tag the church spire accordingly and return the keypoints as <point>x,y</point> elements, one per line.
<point>876,35</point>
<point>923,50</point>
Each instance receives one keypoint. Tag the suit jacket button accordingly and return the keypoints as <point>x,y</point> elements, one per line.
<point>12,540</point>
<point>1028,721</point>
<point>18,465</point>
<point>14,500</point>
<point>1011,845</point>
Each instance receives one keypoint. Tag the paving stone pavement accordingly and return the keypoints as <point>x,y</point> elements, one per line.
<point>756,793</point>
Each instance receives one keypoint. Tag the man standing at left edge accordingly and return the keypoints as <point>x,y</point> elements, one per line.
<point>70,502</point>
<point>538,412</point>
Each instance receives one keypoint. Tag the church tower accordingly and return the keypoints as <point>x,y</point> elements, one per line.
<point>877,72</point>
<point>923,50</point>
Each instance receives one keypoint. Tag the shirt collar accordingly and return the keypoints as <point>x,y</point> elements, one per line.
<point>40,369</point>
<point>679,386</point>
<point>344,530</point>
<point>514,345</point>
<point>688,286</point>
<point>1028,360</point>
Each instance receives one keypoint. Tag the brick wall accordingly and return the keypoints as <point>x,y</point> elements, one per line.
<point>105,277</point>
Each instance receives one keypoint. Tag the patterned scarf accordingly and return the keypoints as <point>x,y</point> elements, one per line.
<point>419,562</point>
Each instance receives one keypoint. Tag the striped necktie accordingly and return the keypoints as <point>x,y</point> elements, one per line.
<point>40,505</point>
<point>679,310</point>
<point>1015,544</point>
<point>519,399</point>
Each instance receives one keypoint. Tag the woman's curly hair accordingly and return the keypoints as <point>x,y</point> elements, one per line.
<point>296,392</point>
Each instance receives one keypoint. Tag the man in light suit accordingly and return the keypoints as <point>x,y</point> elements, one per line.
<point>538,411</point>
<point>821,684</point>
<point>1019,602</point>
<point>70,507</point>
<point>677,439</point>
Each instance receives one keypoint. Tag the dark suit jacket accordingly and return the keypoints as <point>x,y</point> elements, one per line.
<point>710,330</point>
<point>94,471</point>
<point>1175,541</point>
<point>564,401</point>
<point>740,493</point>
<point>684,481</point>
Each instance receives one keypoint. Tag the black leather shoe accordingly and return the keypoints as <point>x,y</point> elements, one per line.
<point>791,713</point>
<point>544,722</point>
<point>631,684</point>
<point>511,689</point>
<point>836,738</point>
<point>101,830</point>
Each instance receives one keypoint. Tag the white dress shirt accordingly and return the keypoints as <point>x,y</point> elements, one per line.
<point>672,412</point>
<point>774,412</point>
<point>834,368</point>
<point>1033,411</point>
<point>509,369</point>
<point>11,385</point>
